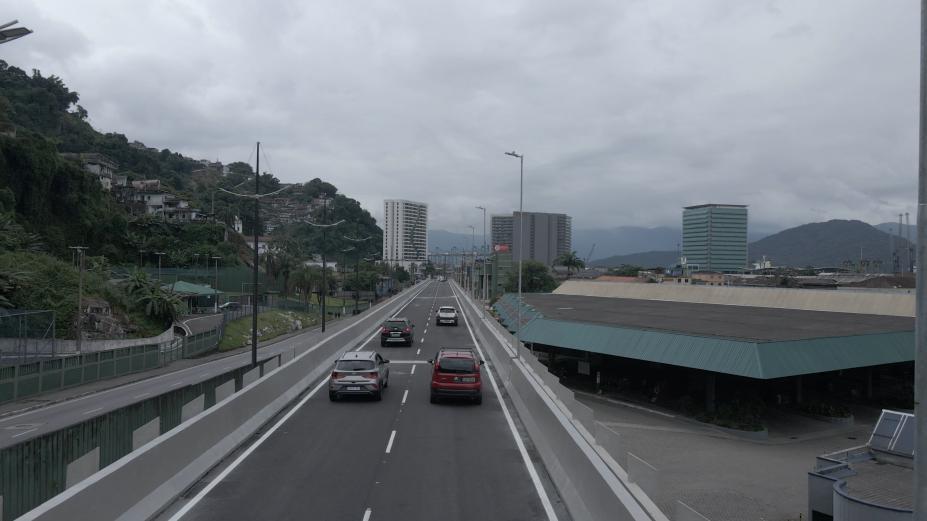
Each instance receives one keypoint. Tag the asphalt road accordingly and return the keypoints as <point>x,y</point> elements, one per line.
<point>18,428</point>
<point>399,459</point>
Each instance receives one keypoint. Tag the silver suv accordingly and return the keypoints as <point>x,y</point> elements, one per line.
<point>359,373</point>
<point>446,315</point>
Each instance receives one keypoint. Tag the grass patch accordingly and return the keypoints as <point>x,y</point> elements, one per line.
<point>271,324</point>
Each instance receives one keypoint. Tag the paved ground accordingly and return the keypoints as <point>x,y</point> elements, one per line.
<point>725,478</point>
<point>399,459</point>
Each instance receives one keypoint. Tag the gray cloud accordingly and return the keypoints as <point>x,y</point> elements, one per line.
<point>625,111</point>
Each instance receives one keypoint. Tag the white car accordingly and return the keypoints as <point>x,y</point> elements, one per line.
<point>446,315</point>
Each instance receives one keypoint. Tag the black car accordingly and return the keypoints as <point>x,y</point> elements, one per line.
<point>396,331</point>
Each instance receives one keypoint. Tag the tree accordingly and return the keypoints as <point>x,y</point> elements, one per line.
<point>402,275</point>
<point>159,303</point>
<point>571,262</point>
<point>536,278</point>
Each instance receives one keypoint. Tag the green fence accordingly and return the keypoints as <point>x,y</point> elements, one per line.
<point>23,380</point>
<point>195,345</point>
<point>35,470</point>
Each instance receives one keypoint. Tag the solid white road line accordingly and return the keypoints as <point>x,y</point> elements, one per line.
<point>228,470</point>
<point>545,501</point>
<point>389,445</point>
<point>91,411</point>
<point>404,396</point>
<point>367,515</point>
<point>137,396</point>
<point>24,432</point>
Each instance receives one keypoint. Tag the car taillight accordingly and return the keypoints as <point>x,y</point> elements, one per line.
<point>407,330</point>
<point>384,329</point>
<point>336,375</point>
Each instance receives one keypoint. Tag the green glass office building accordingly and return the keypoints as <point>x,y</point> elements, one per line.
<point>714,237</point>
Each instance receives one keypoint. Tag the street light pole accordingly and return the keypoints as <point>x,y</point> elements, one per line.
<point>521,238</point>
<point>8,35</point>
<point>920,363</point>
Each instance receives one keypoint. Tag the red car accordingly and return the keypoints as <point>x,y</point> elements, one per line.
<point>456,373</point>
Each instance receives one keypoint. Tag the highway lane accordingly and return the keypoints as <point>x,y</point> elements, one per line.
<point>34,423</point>
<point>402,458</point>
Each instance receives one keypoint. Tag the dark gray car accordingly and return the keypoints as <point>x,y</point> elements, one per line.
<point>359,373</point>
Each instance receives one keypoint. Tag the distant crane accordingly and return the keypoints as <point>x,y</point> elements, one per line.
<point>589,255</point>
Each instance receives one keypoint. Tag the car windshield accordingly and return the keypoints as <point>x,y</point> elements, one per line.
<point>354,365</point>
<point>455,365</point>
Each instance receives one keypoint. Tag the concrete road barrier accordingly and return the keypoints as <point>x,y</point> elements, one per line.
<point>146,433</point>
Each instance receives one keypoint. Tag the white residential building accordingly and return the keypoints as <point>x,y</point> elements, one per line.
<point>405,232</point>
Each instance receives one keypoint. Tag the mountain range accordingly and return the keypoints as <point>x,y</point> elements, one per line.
<point>828,243</point>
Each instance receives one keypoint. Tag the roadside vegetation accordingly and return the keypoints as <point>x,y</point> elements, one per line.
<point>271,324</point>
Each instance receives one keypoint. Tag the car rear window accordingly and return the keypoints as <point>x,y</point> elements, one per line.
<point>445,310</point>
<point>455,365</point>
<point>355,365</point>
<point>396,323</point>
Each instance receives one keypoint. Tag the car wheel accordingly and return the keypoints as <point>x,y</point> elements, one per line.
<point>478,400</point>
<point>332,396</point>
<point>386,383</point>
<point>382,343</point>
<point>377,396</point>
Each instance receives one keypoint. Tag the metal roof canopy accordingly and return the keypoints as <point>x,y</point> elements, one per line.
<point>752,358</point>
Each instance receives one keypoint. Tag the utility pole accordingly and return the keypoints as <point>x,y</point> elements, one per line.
<point>254,271</point>
<point>323,293</point>
<point>159,254</point>
<point>920,326</point>
<point>215,287</point>
<point>257,196</point>
<point>80,292</point>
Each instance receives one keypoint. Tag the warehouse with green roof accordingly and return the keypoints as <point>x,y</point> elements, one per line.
<point>783,346</point>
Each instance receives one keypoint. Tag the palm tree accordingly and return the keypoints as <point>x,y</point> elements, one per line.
<point>571,262</point>
<point>159,303</point>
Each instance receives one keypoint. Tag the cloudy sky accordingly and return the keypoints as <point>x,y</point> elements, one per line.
<point>626,110</point>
